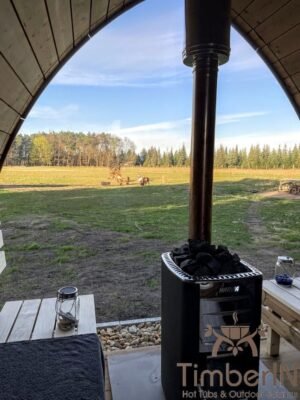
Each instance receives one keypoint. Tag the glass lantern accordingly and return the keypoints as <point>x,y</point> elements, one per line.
<point>67,308</point>
<point>285,270</point>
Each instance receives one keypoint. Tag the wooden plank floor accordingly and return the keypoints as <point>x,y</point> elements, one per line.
<point>36,319</point>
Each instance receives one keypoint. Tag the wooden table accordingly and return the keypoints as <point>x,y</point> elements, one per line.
<point>36,319</point>
<point>281,311</point>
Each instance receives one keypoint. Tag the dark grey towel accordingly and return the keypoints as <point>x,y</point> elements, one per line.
<point>69,368</point>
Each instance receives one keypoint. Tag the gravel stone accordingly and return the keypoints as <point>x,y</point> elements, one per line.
<point>132,336</point>
<point>132,329</point>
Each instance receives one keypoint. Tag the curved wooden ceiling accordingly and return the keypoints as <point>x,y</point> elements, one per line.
<point>38,36</point>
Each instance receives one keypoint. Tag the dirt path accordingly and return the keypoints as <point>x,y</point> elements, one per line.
<point>281,195</point>
<point>263,254</point>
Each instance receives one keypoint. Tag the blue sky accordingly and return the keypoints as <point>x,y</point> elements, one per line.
<point>129,80</point>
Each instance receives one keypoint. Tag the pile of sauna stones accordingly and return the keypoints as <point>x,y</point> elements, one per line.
<point>199,258</point>
<point>125,337</point>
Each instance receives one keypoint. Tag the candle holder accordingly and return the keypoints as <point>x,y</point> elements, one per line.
<point>67,308</point>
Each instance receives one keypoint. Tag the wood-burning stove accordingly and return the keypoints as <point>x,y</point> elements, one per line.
<point>210,332</point>
<point>210,341</point>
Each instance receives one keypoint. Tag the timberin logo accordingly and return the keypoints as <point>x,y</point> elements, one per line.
<point>235,336</point>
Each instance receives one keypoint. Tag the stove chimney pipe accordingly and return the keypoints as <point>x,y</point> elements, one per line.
<point>207,46</point>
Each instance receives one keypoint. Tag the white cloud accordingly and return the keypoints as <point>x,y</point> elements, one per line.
<point>172,134</point>
<point>166,135</point>
<point>159,126</point>
<point>144,53</point>
<point>71,77</point>
<point>53,113</point>
<point>231,118</point>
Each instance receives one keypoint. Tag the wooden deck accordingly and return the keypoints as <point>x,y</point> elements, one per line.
<point>35,319</point>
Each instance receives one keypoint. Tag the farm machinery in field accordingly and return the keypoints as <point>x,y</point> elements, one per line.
<point>291,186</point>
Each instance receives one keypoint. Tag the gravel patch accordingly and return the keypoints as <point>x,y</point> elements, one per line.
<point>129,337</point>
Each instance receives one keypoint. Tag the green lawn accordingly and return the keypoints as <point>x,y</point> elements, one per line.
<point>281,218</point>
<point>62,227</point>
<point>157,211</point>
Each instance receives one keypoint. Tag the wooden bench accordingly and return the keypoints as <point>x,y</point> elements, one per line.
<point>2,254</point>
<point>281,311</point>
<point>36,319</point>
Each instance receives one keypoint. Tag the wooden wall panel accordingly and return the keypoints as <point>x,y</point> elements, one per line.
<point>242,24</point>
<point>268,54</point>
<point>60,16</point>
<point>280,69</point>
<point>296,79</point>
<point>15,46</point>
<point>280,22</point>
<point>114,5</point>
<point>239,5</point>
<point>37,27</point>
<point>99,11</point>
<point>290,84</point>
<point>292,63</point>
<point>259,10</point>
<point>297,99</point>
<point>256,39</point>
<point>3,140</point>
<point>286,44</point>
<point>11,89</point>
<point>81,18</point>
<point>8,117</point>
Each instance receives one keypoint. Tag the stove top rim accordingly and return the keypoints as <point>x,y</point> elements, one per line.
<point>170,264</point>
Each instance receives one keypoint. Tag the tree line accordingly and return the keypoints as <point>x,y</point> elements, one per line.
<point>104,150</point>
<point>70,149</point>
<point>258,157</point>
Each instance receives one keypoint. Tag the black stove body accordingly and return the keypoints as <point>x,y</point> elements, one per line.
<point>210,333</point>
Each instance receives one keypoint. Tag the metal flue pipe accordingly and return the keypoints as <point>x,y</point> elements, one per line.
<point>207,47</point>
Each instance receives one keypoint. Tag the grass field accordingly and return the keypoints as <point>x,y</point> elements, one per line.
<point>60,224</point>
<point>75,194</point>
